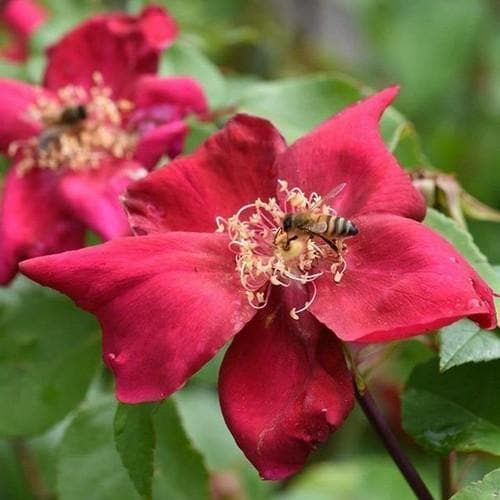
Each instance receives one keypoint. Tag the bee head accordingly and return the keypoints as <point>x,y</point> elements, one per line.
<point>81,112</point>
<point>287,222</point>
<point>73,115</point>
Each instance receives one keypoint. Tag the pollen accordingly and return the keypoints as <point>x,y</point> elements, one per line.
<point>266,255</point>
<point>80,128</point>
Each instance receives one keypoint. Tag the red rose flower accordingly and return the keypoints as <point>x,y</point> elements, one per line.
<point>21,18</point>
<point>78,141</point>
<point>169,299</point>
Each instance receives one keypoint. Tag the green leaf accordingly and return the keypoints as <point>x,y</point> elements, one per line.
<point>373,477</point>
<point>180,473</point>
<point>237,85</point>
<point>135,441</point>
<point>35,67</point>
<point>465,342</point>
<point>4,165</point>
<point>12,482</point>
<point>410,42</point>
<point>186,60</point>
<point>297,105</point>
<point>49,352</point>
<point>88,463</point>
<point>405,144</point>
<point>464,243</point>
<point>12,70</point>
<point>89,459</point>
<point>209,373</point>
<point>198,133</point>
<point>455,410</point>
<point>488,487</point>
<point>200,410</point>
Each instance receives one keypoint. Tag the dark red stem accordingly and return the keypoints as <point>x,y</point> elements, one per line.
<point>30,469</point>
<point>446,466</point>
<point>390,442</point>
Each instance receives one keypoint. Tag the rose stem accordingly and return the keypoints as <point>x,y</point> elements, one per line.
<point>391,444</point>
<point>385,433</point>
<point>446,466</point>
<point>30,469</point>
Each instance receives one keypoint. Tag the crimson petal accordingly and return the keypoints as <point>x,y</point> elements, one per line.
<point>166,304</point>
<point>284,386</point>
<point>119,46</point>
<point>22,16</point>
<point>93,195</point>
<point>232,168</point>
<point>33,220</point>
<point>181,91</point>
<point>163,140</point>
<point>154,23</point>
<point>402,279</point>
<point>348,148</point>
<point>15,124</point>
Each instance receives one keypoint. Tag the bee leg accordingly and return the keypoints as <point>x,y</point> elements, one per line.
<point>286,246</point>
<point>277,235</point>
<point>330,243</point>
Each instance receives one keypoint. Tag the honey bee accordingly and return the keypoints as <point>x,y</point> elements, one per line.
<point>69,118</point>
<point>328,227</point>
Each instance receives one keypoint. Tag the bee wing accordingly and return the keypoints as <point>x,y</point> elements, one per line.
<point>48,136</point>
<point>330,195</point>
<point>335,192</point>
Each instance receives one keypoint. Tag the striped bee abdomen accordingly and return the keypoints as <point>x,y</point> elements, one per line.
<point>340,227</point>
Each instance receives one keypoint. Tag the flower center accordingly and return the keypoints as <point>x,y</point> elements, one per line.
<point>278,243</point>
<point>80,128</point>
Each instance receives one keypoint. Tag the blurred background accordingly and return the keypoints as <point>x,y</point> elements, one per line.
<point>444,53</point>
<point>446,56</point>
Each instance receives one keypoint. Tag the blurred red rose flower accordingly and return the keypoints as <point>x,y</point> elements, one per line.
<point>100,120</point>
<point>21,18</point>
<point>170,298</point>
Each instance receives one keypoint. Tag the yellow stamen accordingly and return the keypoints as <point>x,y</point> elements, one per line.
<point>80,144</point>
<point>265,254</point>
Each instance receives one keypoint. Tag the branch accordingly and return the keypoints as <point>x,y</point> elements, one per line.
<point>446,466</point>
<point>385,433</point>
<point>30,469</point>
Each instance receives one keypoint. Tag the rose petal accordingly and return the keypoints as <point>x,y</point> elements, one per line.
<point>93,196</point>
<point>181,91</point>
<point>284,386</point>
<point>160,106</point>
<point>33,221</point>
<point>164,140</point>
<point>166,304</point>
<point>348,149</point>
<point>22,16</point>
<point>402,279</point>
<point>118,46</point>
<point>154,23</point>
<point>232,168</point>
<point>15,124</point>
